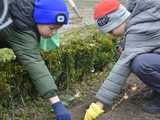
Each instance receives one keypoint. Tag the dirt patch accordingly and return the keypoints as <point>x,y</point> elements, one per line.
<point>130,109</point>
<point>78,112</point>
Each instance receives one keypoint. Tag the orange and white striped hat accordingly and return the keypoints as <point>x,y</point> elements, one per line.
<point>109,14</point>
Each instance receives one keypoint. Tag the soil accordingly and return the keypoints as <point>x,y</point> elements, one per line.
<point>130,109</point>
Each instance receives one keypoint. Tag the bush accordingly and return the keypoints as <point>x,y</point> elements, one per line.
<point>79,55</point>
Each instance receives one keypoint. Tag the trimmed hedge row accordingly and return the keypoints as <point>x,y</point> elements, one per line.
<point>81,53</point>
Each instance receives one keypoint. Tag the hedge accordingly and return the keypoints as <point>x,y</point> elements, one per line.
<point>82,52</point>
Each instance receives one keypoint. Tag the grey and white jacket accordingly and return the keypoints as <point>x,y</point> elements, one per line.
<point>142,35</point>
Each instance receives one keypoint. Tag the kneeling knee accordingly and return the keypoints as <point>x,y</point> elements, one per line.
<point>139,65</point>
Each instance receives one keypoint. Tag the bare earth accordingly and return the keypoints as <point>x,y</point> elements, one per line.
<point>130,109</point>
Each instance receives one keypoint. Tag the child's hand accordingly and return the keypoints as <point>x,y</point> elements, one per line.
<point>93,112</point>
<point>120,47</point>
<point>61,112</point>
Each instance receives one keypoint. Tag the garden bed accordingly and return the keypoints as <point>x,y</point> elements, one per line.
<point>82,56</point>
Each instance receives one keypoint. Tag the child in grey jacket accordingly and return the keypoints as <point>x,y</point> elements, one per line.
<point>140,26</point>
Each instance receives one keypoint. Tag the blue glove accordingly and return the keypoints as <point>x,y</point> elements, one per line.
<point>61,112</point>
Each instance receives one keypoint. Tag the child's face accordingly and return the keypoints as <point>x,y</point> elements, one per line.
<point>47,30</point>
<point>119,31</point>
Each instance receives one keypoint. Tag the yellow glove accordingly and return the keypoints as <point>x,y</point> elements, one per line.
<point>93,112</point>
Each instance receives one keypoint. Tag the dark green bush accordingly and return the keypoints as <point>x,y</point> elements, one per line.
<point>82,52</point>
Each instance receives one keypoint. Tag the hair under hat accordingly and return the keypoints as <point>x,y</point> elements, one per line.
<point>50,12</point>
<point>109,14</point>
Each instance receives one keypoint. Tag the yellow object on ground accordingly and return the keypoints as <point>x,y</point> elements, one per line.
<point>93,112</point>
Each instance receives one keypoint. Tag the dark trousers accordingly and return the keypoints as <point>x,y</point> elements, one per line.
<point>147,68</point>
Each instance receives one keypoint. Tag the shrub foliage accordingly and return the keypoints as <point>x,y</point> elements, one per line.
<point>82,52</point>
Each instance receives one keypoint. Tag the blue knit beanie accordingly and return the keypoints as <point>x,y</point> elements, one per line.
<point>50,12</point>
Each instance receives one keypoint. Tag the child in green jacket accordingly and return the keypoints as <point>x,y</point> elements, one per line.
<point>31,20</point>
